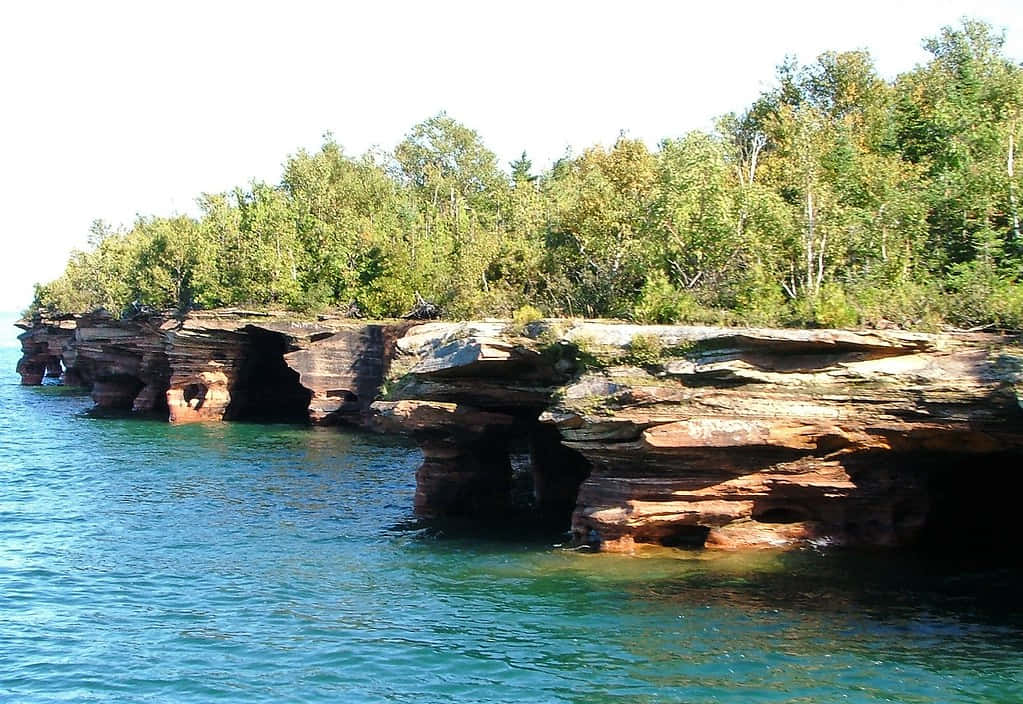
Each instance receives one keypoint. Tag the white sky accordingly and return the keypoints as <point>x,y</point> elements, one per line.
<point>112,109</point>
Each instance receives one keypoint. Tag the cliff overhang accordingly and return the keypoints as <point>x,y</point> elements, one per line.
<point>628,435</point>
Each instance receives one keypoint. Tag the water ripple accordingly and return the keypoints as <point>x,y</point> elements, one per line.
<point>145,562</point>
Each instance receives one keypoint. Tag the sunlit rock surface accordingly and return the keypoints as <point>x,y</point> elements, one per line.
<point>216,365</point>
<point>719,437</point>
<point>42,345</point>
<point>629,435</point>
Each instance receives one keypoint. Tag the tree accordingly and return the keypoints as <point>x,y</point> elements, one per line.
<point>345,212</point>
<point>955,115</point>
<point>602,203</point>
<point>460,194</point>
<point>451,170</point>
<point>694,239</point>
<point>170,251</point>
<point>520,170</point>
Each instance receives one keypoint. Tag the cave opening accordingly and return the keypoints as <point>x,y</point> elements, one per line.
<point>266,389</point>
<point>158,401</point>
<point>519,476</point>
<point>116,392</point>
<point>780,514</point>
<point>972,505</point>
<point>556,472</point>
<point>686,537</point>
<point>54,368</point>
<point>194,395</point>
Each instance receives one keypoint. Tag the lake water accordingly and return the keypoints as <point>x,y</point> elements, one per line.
<point>141,562</point>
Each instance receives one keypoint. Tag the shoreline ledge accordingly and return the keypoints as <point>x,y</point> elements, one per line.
<point>632,435</point>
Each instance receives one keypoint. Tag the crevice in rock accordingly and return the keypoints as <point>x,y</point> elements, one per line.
<point>516,471</point>
<point>972,506</point>
<point>54,368</point>
<point>688,537</point>
<point>462,478</point>
<point>195,395</point>
<point>780,514</point>
<point>116,391</point>
<point>266,389</point>
<point>557,472</point>
<point>157,401</point>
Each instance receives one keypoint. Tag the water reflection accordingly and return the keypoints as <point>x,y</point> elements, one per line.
<point>235,562</point>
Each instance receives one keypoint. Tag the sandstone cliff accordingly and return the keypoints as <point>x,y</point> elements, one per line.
<point>215,365</point>
<point>630,435</point>
<point>718,437</point>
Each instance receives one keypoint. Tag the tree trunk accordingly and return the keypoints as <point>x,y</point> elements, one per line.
<point>810,234</point>
<point>1010,167</point>
<point>884,233</point>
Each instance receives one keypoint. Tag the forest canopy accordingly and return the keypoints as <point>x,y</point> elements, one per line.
<point>838,198</point>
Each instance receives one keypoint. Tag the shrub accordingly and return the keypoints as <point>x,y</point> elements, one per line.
<point>759,300</point>
<point>645,350</point>
<point>523,317</point>
<point>587,352</point>
<point>904,302</point>
<point>661,303</point>
<point>981,296</point>
<point>829,308</point>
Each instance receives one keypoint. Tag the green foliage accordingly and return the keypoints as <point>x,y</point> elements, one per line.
<point>827,308</point>
<point>523,317</point>
<point>760,298</point>
<point>520,170</point>
<point>645,351</point>
<point>836,199</point>
<point>982,296</point>
<point>660,302</point>
<point>586,352</point>
<point>595,245</point>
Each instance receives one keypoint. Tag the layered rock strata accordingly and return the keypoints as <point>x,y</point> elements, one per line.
<point>718,437</point>
<point>42,346</point>
<point>471,395</point>
<point>632,435</point>
<point>767,437</point>
<point>216,365</point>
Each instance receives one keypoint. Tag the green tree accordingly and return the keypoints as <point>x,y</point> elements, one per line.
<point>602,204</point>
<point>521,170</point>
<point>694,238</point>
<point>460,194</point>
<point>956,117</point>
<point>346,212</point>
<point>170,251</point>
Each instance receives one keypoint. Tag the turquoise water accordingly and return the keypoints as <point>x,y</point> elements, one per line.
<point>141,562</point>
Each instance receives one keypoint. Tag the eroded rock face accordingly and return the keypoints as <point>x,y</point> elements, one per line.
<point>697,436</point>
<point>205,355</point>
<point>122,361</point>
<point>466,468</point>
<point>344,367</point>
<point>42,345</point>
<point>633,435</point>
<point>470,396</point>
<point>217,365</point>
<point>765,437</point>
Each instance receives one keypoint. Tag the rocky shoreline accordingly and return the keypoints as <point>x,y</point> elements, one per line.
<point>633,435</point>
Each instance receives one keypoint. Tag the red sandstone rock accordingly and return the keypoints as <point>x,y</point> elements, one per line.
<point>42,345</point>
<point>122,361</point>
<point>725,438</point>
<point>732,438</point>
<point>766,438</point>
<point>217,364</point>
